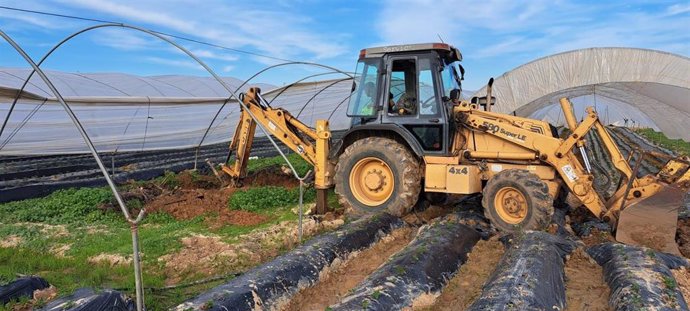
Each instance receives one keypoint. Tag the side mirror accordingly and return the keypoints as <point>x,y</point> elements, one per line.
<point>354,86</point>
<point>455,94</point>
<point>482,101</point>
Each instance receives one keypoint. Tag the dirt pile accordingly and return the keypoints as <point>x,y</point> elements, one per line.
<point>467,284</point>
<point>347,275</point>
<point>584,284</point>
<point>213,203</point>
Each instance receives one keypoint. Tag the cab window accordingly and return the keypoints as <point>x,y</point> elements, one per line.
<point>402,89</point>
<point>428,105</point>
<point>363,98</point>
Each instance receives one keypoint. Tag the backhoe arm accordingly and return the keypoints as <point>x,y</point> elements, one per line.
<point>311,144</point>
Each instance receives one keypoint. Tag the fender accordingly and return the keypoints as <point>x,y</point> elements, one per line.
<point>370,130</point>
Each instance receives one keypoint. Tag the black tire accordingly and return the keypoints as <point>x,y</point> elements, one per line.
<point>403,164</point>
<point>535,192</point>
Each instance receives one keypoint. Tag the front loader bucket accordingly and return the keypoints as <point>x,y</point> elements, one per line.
<point>652,222</point>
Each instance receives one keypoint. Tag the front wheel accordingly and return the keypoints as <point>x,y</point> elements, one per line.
<point>377,174</point>
<point>516,200</point>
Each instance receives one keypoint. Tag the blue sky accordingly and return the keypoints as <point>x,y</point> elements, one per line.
<point>494,35</point>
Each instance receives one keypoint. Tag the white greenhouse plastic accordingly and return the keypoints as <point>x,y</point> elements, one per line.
<point>649,87</point>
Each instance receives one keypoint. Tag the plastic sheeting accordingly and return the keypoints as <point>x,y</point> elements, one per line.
<point>424,266</point>
<point>129,113</point>
<point>85,299</point>
<point>530,275</point>
<point>639,278</point>
<point>267,286</point>
<point>654,87</point>
<point>21,287</point>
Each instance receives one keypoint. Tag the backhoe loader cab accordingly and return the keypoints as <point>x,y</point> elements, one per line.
<point>407,89</point>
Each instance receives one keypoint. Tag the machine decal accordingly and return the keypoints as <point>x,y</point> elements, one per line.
<point>460,171</point>
<point>493,128</point>
<point>569,172</point>
<point>496,167</point>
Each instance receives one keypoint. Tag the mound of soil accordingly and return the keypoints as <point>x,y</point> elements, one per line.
<point>191,203</point>
<point>467,284</point>
<point>584,283</point>
<point>272,176</point>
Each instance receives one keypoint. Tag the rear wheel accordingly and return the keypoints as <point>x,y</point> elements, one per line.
<point>376,174</point>
<point>517,200</point>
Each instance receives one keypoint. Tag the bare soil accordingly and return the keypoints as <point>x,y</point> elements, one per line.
<point>683,237</point>
<point>191,203</point>
<point>585,288</point>
<point>336,284</point>
<point>112,259</point>
<point>466,286</point>
<point>209,255</point>
<point>11,241</point>
<point>427,215</point>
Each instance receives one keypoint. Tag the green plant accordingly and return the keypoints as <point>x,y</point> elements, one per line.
<point>261,198</point>
<point>669,282</point>
<point>376,294</point>
<point>60,207</point>
<point>678,145</point>
<point>168,180</point>
<point>300,164</point>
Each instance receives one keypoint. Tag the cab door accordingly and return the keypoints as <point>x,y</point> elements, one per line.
<point>415,100</point>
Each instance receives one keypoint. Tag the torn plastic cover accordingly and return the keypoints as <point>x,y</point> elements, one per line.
<point>639,278</point>
<point>267,285</point>
<point>530,275</point>
<point>21,287</point>
<point>424,266</point>
<point>85,299</point>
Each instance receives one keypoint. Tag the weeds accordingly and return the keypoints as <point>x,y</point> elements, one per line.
<point>261,198</point>
<point>677,145</point>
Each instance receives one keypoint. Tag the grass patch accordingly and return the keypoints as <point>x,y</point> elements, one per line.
<point>90,231</point>
<point>300,164</point>
<point>61,207</point>
<point>677,145</point>
<point>267,197</point>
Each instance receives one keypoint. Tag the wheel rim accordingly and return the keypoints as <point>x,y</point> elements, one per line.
<point>371,181</point>
<point>511,205</point>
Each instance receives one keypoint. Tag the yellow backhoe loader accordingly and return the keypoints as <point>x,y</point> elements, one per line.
<point>412,136</point>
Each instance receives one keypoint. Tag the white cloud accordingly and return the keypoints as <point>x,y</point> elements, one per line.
<point>678,9</point>
<point>228,68</point>
<point>187,64</point>
<point>503,28</point>
<point>274,31</point>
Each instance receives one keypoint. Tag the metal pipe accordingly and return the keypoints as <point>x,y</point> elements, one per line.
<point>585,159</point>
<point>319,92</point>
<point>501,155</point>
<point>568,113</point>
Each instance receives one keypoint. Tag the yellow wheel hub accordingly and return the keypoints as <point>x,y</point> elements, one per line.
<point>511,205</point>
<point>371,181</point>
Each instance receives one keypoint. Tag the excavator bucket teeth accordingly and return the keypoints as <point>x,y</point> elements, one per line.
<point>652,222</point>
